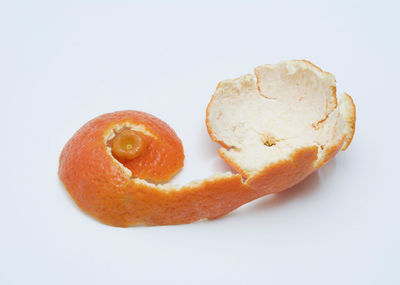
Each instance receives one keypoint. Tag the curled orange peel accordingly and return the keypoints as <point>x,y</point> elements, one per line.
<point>114,165</point>
<point>123,194</point>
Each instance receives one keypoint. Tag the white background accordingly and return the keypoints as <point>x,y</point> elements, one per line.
<point>61,64</point>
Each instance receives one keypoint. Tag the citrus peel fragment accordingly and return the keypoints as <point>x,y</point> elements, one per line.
<point>275,129</point>
<point>281,124</point>
<point>124,194</point>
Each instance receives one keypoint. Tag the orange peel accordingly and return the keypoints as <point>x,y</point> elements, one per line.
<point>275,129</point>
<point>283,123</point>
<point>122,194</point>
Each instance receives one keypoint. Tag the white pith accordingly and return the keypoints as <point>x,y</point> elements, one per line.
<point>263,119</point>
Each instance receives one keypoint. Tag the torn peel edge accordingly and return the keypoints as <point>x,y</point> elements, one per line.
<point>348,111</point>
<point>282,174</point>
<point>293,66</point>
<point>318,124</point>
<point>167,187</point>
<point>328,152</point>
<point>114,129</point>
<point>209,198</point>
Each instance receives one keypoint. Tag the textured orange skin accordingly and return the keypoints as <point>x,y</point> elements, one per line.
<point>101,188</point>
<point>159,162</point>
<point>286,173</point>
<point>209,200</point>
<point>163,157</point>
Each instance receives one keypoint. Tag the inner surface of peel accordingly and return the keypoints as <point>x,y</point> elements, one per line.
<point>189,185</point>
<point>303,113</point>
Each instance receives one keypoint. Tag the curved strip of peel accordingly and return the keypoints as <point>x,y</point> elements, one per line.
<point>275,128</point>
<point>112,192</point>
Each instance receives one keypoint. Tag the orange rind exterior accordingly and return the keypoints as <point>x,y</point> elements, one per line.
<point>102,186</point>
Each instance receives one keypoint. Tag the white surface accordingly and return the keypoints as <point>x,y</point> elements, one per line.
<point>63,64</point>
